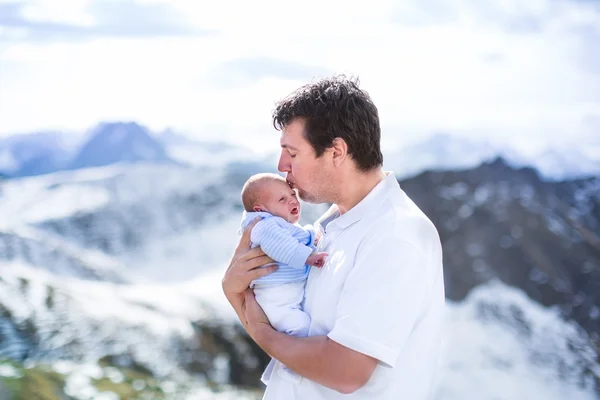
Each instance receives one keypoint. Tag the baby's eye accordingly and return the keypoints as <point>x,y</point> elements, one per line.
<point>281,199</point>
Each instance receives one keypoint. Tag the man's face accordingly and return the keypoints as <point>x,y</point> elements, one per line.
<point>310,175</point>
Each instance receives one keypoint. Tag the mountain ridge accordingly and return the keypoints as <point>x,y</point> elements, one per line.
<point>519,258</point>
<point>434,152</point>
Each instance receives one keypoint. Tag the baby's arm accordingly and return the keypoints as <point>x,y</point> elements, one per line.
<point>315,234</point>
<point>279,244</point>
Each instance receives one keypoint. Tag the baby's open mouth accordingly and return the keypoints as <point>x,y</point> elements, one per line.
<point>294,211</point>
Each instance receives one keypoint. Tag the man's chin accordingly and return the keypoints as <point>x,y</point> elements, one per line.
<point>302,195</point>
<point>307,199</point>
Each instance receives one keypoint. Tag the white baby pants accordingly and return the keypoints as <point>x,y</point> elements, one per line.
<point>282,304</point>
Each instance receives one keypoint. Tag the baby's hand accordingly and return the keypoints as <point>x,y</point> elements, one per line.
<point>318,236</point>
<point>316,259</point>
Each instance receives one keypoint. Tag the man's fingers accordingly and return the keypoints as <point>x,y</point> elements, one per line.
<point>257,262</point>
<point>255,258</point>
<point>243,255</point>
<point>260,272</point>
<point>252,253</point>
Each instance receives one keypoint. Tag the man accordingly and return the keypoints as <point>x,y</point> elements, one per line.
<point>376,306</point>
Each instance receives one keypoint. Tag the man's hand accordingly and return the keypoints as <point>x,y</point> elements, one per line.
<point>256,319</point>
<point>245,266</point>
<point>317,259</point>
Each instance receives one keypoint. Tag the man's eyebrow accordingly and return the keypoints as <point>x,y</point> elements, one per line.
<point>287,146</point>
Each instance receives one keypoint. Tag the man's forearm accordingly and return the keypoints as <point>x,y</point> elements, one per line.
<point>237,302</point>
<point>319,359</point>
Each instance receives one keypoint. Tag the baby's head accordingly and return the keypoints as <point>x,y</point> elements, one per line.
<point>271,193</point>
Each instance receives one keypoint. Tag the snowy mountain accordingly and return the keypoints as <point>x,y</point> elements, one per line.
<point>448,152</point>
<point>440,151</point>
<point>213,153</point>
<point>502,345</point>
<point>497,222</point>
<point>164,332</point>
<point>108,143</point>
<point>35,153</point>
<point>498,343</point>
<point>117,142</point>
<point>109,211</point>
<point>56,303</point>
<point>120,216</point>
<point>124,263</point>
<point>569,162</point>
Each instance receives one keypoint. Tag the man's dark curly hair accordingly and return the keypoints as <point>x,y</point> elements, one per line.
<point>335,107</point>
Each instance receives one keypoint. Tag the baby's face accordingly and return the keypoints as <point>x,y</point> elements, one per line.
<point>279,199</point>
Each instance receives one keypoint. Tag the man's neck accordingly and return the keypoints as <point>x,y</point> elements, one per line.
<point>357,187</point>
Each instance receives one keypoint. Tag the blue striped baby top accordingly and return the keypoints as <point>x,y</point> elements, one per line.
<point>288,244</point>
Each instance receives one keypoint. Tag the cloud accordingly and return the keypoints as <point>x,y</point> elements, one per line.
<point>576,22</point>
<point>586,47</point>
<point>510,16</point>
<point>519,71</point>
<point>251,69</point>
<point>43,21</point>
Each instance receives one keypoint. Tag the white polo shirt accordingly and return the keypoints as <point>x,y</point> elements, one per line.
<point>381,293</point>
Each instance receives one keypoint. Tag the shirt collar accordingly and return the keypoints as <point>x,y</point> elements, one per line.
<point>332,219</point>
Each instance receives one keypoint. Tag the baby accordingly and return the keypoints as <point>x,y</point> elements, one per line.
<point>280,293</point>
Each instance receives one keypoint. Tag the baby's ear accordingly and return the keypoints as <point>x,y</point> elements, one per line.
<point>257,208</point>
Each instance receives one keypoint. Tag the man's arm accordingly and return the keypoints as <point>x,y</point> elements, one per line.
<point>390,273</point>
<point>317,358</point>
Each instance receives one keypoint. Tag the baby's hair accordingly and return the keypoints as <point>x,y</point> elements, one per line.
<point>251,189</point>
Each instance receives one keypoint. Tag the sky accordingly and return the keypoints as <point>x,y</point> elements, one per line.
<point>523,72</point>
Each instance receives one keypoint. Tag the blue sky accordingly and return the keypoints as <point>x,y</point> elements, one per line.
<point>527,72</point>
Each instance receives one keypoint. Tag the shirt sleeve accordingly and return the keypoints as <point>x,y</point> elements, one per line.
<point>312,232</point>
<point>382,298</point>
<point>279,244</point>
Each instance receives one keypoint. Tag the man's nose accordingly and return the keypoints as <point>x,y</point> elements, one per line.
<point>283,165</point>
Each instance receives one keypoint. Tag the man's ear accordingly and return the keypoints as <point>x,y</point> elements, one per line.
<point>339,149</point>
